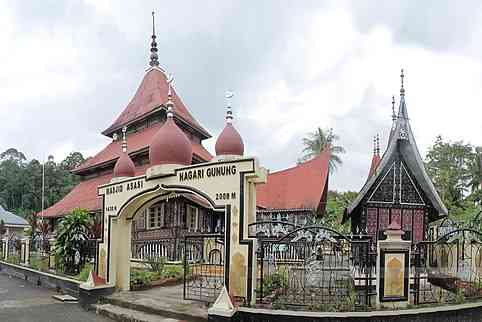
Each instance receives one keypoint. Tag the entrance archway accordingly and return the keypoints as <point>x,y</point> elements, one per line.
<point>228,186</point>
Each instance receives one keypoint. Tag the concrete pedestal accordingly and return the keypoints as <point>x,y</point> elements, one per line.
<point>393,270</point>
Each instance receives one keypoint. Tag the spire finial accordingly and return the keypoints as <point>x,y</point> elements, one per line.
<point>229,113</point>
<point>154,58</point>
<point>402,90</point>
<point>170,103</point>
<point>378,144</point>
<point>394,116</point>
<point>124,139</point>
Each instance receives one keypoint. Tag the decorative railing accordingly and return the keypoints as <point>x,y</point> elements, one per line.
<point>317,268</point>
<point>449,269</point>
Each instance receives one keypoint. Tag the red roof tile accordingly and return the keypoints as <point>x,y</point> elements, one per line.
<point>302,186</point>
<point>151,94</point>
<point>84,195</point>
<point>375,163</point>
<point>136,142</point>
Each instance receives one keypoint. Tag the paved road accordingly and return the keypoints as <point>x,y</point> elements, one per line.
<point>21,301</point>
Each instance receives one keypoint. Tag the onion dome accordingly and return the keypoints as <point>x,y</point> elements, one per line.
<point>229,141</point>
<point>124,167</point>
<point>170,144</point>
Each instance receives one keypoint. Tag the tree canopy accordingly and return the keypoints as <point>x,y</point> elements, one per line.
<point>21,181</point>
<point>455,168</point>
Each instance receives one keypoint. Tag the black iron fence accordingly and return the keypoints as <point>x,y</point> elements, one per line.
<point>317,268</point>
<point>42,256</point>
<point>203,267</point>
<point>449,269</point>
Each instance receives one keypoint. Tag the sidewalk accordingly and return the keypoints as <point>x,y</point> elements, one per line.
<point>165,301</point>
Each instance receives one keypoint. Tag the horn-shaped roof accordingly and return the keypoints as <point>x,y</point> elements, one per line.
<point>402,141</point>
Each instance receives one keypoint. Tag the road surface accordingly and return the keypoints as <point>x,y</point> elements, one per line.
<point>21,301</point>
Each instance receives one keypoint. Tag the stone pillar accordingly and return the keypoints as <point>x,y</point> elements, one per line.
<point>393,268</point>
<point>4,255</point>
<point>240,273</point>
<point>52,253</point>
<point>26,251</point>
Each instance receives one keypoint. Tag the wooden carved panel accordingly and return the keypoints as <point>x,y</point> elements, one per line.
<point>384,218</point>
<point>372,221</point>
<point>418,219</point>
<point>384,191</point>
<point>407,220</point>
<point>396,217</point>
<point>409,193</point>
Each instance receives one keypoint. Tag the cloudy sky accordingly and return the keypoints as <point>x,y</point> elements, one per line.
<point>68,68</point>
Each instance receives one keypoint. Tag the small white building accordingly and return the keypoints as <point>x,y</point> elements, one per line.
<point>13,223</point>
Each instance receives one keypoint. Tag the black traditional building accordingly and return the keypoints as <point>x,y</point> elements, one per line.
<point>399,191</point>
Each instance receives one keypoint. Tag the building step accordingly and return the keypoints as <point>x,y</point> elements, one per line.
<point>123,314</point>
<point>157,311</point>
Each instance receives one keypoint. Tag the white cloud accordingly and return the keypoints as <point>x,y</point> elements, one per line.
<point>65,76</point>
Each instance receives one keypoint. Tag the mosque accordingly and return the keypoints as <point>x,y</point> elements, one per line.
<point>157,128</point>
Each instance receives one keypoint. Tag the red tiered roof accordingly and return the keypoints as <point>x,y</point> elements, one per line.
<point>375,163</point>
<point>151,94</point>
<point>300,187</point>
<point>136,142</point>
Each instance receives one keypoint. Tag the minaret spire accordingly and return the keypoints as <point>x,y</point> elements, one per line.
<point>377,148</point>
<point>170,103</point>
<point>154,58</point>
<point>229,113</point>
<point>374,145</point>
<point>402,111</point>
<point>394,116</point>
<point>124,139</point>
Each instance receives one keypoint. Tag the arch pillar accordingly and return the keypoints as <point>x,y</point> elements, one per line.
<point>226,185</point>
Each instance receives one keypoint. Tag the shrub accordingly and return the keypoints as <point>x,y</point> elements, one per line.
<point>13,259</point>
<point>85,272</point>
<point>156,263</point>
<point>275,281</point>
<point>141,277</point>
<point>172,271</point>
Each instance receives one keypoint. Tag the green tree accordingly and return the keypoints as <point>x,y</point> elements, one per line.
<point>73,230</point>
<point>449,165</point>
<point>21,181</point>
<point>72,161</point>
<point>317,141</point>
<point>335,206</point>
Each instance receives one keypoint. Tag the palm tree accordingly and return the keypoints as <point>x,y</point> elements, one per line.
<point>317,141</point>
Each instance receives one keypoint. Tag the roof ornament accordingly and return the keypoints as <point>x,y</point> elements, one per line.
<point>377,148</point>
<point>374,145</point>
<point>170,103</point>
<point>229,113</point>
<point>124,139</point>
<point>402,89</point>
<point>394,116</point>
<point>154,58</point>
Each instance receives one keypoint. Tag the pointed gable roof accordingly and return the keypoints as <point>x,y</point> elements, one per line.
<point>151,96</point>
<point>403,141</point>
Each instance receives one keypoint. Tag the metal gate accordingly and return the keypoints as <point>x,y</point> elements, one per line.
<point>449,269</point>
<point>318,268</point>
<point>203,267</point>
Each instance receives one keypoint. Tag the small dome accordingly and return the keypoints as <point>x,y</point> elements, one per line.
<point>170,145</point>
<point>229,142</point>
<point>124,167</point>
